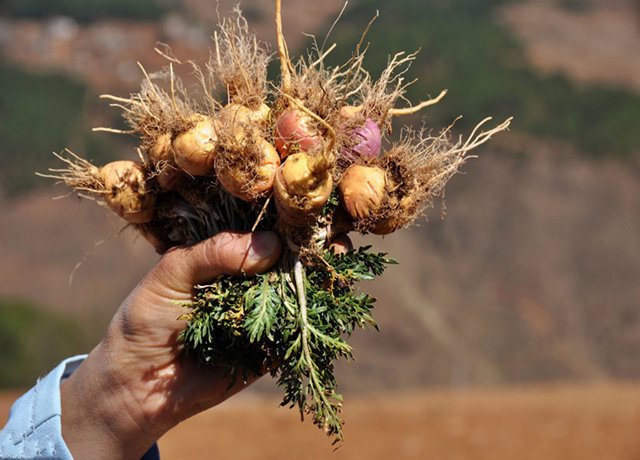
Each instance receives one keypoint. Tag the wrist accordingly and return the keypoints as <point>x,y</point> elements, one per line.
<point>101,418</point>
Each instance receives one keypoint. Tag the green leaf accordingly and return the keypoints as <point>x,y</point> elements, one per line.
<point>262,304</point>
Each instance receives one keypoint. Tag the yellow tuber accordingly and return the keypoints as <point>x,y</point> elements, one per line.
<point>246,179</point>
<point>125,191</point>
<point>302,186</point>
<point>363,190</point>
<point>194,150</point>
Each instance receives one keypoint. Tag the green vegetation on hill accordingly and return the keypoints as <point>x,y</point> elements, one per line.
<point>33,340</point>
<point>40,114</point>
<point>465,50</point>
<point>85,11</point>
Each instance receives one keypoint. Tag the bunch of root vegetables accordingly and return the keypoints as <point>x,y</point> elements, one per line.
<point>309,156</point>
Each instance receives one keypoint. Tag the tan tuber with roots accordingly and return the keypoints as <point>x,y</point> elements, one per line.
<point>242,118</point>
<point>125,191</point>
<point>302,187</point>
<point>363,189</point>
<point>247,167</point>
<point>195,149</point>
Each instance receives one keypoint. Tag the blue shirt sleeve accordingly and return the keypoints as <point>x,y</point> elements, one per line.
<point>33,430</point>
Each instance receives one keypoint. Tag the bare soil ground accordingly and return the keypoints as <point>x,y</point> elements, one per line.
<point>563,421</point>
<point>596,43</point>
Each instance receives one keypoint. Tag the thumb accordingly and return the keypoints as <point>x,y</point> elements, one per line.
<point>227,253</point>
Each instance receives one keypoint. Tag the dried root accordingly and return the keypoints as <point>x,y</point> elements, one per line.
<point>153,112</point>
<point>79,174</point>
<point>239,63</point>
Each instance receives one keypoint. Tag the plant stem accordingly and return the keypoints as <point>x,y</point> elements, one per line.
<point>302,301</point>
<point>282,51</point>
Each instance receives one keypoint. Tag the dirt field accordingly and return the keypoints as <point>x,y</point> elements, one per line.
<point>564,422</point>
<point>544,422</point>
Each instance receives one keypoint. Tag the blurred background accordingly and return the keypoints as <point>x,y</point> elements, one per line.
<point>512,324</point>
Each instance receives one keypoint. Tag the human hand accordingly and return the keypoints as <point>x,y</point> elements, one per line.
<point>136,385</point>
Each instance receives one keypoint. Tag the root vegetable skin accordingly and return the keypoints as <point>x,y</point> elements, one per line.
<point>301,175</point>
<point>267,171</point>
<point>235,182</point>
<point>294,133</point>
<point>370,141</point>
<point>302,186</point>
<point>240,116</point>
<point>161,150</point>
<point>367,137</point>
<point>126,193</point>
<point>160,154</point>
<point>341,244</point>
<point>362,189</point>
<point>194,149</point>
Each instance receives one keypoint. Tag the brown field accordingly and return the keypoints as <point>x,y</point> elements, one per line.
<point>562,421</point>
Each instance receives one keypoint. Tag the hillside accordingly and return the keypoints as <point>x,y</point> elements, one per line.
<point>590,43</point>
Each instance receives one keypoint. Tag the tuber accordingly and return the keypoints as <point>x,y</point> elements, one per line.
<point>126,192</point>
<point>362,189</point>
<point>194,149</point>
<point>302,186</point>
<point>247,168</point>
<point>294,132</point>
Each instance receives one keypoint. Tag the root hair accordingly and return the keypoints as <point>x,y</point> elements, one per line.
<point>239,62</point>
<point>418,168</point>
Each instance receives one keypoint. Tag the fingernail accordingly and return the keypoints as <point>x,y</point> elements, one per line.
<point>263,245</point>
<point>341,244</point>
